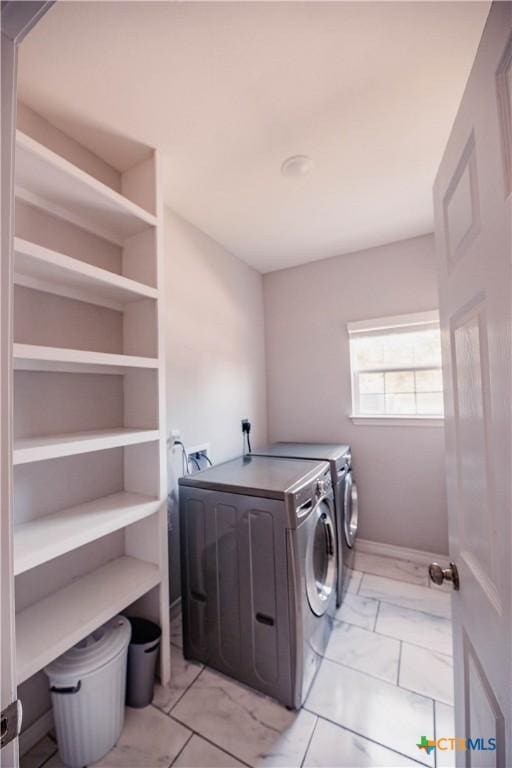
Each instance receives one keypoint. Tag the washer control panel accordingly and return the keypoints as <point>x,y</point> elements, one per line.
<point>323,485</point>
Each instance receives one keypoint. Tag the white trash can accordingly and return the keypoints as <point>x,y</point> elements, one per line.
<point>87,685</point>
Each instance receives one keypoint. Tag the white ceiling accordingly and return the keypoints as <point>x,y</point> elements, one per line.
<point>227,91</point>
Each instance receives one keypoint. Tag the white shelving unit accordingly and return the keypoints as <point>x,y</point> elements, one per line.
<point>52,183</point>
<point>52,625</point>
<point>90,536</point>
<point>32,449</point>
<point>50,536</point>
<point>33,357</point>
<point>43,269</point>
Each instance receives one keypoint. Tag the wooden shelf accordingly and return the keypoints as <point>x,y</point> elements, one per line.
<point>34,357</point>
<point>47,537</point>
<point>54,272</point>
<point>47,180</point>
<point>41,448</point>
<point>51,626</point>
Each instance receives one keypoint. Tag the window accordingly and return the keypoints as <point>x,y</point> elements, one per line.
<point>396,366</point>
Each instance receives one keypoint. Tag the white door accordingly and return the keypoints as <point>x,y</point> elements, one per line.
<point>473,204</point>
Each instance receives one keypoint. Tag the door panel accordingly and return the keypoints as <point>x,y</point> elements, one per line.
<point>504,90</point>
<point>461,205</point>
<point>472,206</point>
<point>472,415</point>
<point>483,714</point>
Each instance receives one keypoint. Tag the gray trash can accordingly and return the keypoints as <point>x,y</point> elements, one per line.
<point>142,656</point>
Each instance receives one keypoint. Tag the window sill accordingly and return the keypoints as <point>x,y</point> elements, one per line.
<point>401,421</point>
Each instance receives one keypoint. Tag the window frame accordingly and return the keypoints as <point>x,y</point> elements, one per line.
<point>378,327</point>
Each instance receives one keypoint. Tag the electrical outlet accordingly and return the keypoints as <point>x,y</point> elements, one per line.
<point>174,438</point>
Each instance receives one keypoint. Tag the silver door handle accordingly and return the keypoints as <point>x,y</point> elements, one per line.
<point>438,574</point>
<point>329,536</point>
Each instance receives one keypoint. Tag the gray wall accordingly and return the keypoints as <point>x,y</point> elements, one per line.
<point>215,352</point>
<point>399,469</point>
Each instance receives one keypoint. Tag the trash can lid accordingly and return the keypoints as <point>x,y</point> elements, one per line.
<point>92,653</point>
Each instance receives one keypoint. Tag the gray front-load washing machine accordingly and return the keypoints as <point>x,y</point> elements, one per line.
<point>258,558</point>
<point>345,493</point>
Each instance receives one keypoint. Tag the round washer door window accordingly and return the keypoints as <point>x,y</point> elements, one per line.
<point>321,559</point>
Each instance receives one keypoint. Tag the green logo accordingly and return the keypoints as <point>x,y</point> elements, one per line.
<point>427,744</point>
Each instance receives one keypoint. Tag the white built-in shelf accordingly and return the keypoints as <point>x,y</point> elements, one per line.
<point>47,537</point>
<point>47,180</point>
<point>51,626</point>
<point>34,357</point>
<point>53,272</point>
<point>31,449</point>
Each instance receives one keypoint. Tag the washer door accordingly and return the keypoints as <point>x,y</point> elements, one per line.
<point>321,557</point>
<point>350,510</point>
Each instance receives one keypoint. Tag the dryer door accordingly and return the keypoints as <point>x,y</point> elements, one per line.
<point>351,518</point>
<point>321,557</point>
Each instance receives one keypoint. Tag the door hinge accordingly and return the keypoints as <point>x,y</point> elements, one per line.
<point>10,723</point>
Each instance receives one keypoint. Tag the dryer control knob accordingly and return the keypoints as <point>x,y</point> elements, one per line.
<point>321,487</point>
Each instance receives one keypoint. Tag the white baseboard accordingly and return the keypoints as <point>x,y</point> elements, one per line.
<point>398,553</point>
<point>36,732</point>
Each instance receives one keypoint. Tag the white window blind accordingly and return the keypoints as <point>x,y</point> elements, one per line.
<point>396,366</point>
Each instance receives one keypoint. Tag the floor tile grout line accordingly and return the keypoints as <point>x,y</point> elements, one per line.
<point>363,736</point>
<point>376,617</point>
<point>181,750</point>
<point>379,600</point>
<point>374,677</point>
<point>207,739</point>
<point>359,626</point>
<point>175,719</point>
<point>406,607</point>
<point>411,690</point>
<point>166,712</point>
<point>416,645</point>
<point>309,742</point>
<point>399,664</point>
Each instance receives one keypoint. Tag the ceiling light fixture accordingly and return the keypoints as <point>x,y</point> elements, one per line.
<point>296,166</point>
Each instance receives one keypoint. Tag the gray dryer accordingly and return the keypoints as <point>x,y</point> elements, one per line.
<point>258,555</point>
<point>339,457</point>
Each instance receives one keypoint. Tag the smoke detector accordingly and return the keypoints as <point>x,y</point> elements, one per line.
<point>297,166</point>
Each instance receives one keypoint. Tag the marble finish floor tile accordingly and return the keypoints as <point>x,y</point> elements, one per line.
<point>149,738</point>
<point>427,672</point>
<point>177,631</point>
<point>445,727</point>
<point>335,747</point>
<point>372,708</point>
<point>246,724</point>
<point>39,753</point>
<point>351,580</point>
<point>357,610</point>
<point>183,674</point>
<point>412,596</point>
<point>199,753</point>
<point>432,632</point>
<point>367,651</point>
<point>392,568</point>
